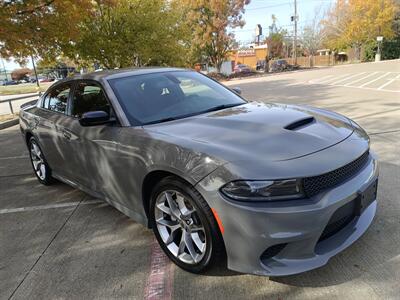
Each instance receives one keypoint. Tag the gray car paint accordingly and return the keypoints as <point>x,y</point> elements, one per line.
<point>209,150</point>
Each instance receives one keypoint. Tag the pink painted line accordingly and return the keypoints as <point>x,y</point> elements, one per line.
<point>160,281</point>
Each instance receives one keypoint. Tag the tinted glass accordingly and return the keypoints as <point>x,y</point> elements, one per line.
<point>88,97</point>
<point>152,98</point>
<point>56,99</point>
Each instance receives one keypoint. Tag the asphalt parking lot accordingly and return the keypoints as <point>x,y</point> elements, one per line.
<point>58,243</point>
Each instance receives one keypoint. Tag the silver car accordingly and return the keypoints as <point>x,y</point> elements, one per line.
<point>262,188</point>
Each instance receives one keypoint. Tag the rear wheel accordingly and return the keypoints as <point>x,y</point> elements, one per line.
<point>39,164</point>
<point>184,226</point>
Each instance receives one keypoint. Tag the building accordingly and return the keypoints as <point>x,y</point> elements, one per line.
<point>250,56</point>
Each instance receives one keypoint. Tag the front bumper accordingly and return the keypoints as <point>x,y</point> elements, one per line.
<point>250,229</point>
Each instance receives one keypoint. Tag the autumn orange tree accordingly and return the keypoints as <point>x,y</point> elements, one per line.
<point>210,21</point>
<point>39,27</point>
<point>353,23</point>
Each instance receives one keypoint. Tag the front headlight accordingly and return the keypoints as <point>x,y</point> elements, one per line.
<point>247,190</point>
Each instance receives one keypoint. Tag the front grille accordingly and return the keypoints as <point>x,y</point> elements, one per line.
<point>340,219</point>
<point>316,184</point>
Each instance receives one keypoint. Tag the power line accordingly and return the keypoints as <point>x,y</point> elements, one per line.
<point>266,27</point>
<point>263,7</point>
<point>284,4</point>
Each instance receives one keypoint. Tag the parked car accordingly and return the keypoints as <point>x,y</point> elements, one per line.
<point>281,65</point>
<point>275,189</point>
<point>242,68</point>
<point>46,79</point>
<point>10,82</point>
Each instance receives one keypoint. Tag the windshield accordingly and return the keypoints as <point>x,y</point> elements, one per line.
<point>165,96</point>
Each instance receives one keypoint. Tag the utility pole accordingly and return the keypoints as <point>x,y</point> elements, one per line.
<point>295,34</point>
<point>4,68</point>
<point>36,77</point>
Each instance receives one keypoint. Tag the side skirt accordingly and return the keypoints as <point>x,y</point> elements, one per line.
<point>126,211</point>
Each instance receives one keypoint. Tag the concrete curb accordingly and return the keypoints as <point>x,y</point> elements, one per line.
<point>9,123</point>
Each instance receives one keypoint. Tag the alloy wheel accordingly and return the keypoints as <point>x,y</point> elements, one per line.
<point>180,227</point>
<point>38,161</point>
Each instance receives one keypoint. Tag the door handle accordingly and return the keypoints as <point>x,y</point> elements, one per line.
<point>66,134</point>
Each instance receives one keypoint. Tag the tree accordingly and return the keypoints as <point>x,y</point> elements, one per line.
<point>19,74</point>
<point>353,23</point>
<point>312,36</point>
<point>275,39</point>
<point>209,21</point>
<point>39,27</point>
<point>130,32</point>
<point>58,68</point>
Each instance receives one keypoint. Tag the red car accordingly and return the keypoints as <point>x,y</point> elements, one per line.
<point>47,80</point>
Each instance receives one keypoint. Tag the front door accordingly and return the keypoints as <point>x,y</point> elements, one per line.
<point>91,148</point>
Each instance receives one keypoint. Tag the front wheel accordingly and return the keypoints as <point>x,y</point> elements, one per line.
<point>39,164</point>
<point>184,226</point>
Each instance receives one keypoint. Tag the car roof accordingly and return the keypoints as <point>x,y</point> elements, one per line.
<point>116,73</point>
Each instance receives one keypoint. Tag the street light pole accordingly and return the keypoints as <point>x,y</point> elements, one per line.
<point>379,39</point>
<point>295,34</point>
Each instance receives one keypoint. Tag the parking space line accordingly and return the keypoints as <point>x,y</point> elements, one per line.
<point>42,207</point>
<point>321,79</point>
<point>344,79</point>
<point>47,247</point>
<point>335,77</point>
<point>362,78</point>
<point>372,89</point>
<point>389,82</point>
<point>14,157</point>
<point>373,80</point>
<point>30,174</point>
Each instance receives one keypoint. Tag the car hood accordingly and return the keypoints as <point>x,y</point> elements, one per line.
<point>260,131</point>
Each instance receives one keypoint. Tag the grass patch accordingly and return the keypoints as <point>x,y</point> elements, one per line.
<point>7,117</point>
<point>24,88</point>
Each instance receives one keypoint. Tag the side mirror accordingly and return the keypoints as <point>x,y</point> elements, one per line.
<point>93,118</point>
<point>237,90</point>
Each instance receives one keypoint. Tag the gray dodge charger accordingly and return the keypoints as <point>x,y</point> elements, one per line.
<point>262,188</point>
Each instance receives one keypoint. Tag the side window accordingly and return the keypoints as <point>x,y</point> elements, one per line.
<point>88,97</point>
<point>56,99</point>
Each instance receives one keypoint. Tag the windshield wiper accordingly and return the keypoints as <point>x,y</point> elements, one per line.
<point>162,120</point>
<point>215,108</point>
<point>219,107</point>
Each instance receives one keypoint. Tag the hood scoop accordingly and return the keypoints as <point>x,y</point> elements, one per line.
<point>300,123</point>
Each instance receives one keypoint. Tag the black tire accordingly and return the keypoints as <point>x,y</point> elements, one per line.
<point>215,254</point>
<point>46,179</point>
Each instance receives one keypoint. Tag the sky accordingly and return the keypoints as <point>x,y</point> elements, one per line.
<point>259,12</point>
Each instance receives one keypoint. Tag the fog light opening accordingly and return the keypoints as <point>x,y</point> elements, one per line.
<point>272,251</point>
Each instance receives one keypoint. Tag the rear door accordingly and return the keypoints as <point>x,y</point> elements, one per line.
<point>53,113</point>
